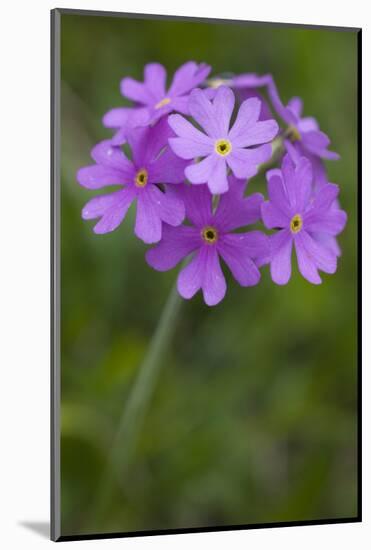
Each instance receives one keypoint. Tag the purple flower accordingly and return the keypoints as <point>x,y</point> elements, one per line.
<point>304,135</point>
<point>153,163</point>
<point>152,99</point>
<point>209,237</point>
<point>242,91</point>
<point>252,81</point>
<point>123,120</point>
<point>300,216</point>
<point>222,147</point>
<point>319,180</point>
<point>303,132</point>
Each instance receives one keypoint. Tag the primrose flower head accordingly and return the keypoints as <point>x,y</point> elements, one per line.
<point>241,148</point>
<point>152,100</point>
<point>152,163</point>
<point>304,134</point>
<point>300,216</point>
<point>188,156</point>
<point>209,237</point>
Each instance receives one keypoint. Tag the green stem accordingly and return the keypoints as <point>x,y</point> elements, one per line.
<point>134,412</point>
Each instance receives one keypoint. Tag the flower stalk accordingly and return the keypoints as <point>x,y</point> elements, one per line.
<point>135,409</point>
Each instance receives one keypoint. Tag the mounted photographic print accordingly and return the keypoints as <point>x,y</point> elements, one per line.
<point>205,264</point>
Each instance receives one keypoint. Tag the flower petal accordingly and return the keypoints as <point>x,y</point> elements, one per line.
<point>187,77</point>
<point>190,277</point>
<point>307,266</point>
<point>211,170</point>
<point>187,149</point>
<point>307,124</point>
<point>218,180</point>
<point>328,241</point>
<point>304,180</point>
<point>277,192</point>
<point>324,214</point>
<point>176,244</point>
<point>247,93</point>
<point>247,130</point>
<point>147,143</point>
<point>136,91</point>
<point>285,113</point>
<point>281,247</point>
<point>115,118</point>
<point>237,251</point>
<point>316,142</point>
<point>250,80</point>
<point>169,206</point>
<point>139,116</point>
<point>157,113</point>
<point>120,137</point>
<point>214,286</point>
<point>256,244</point>
<point>223,105</point>
<point>248,115</point>
<point>155,207</point>
<point>331,222</point>
<point>260,132</point>
<point>199,172</point>
<point>204,272</point>
<point>107,155</point>
<point>234,210</point>
<point>319,171</point>
<point>288,174</point>
<point>148,224</point>
<point>155,79</point>
<point>180,104</point>
<point>322,256</point>
<point>167,168</point>
<point>316,139</point>
<point>294,150</point>
<point>297,181</point>
<point>202,111</point>
<point>325,196</point>
<point>273,217</point>
<point>191,142</point>
<point>244,163</point>
<point>296,106</point>
<point>110,208</point>
<point>98,176</point>
<point>198,202</point>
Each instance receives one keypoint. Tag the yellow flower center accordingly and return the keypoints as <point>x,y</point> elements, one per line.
<point>209,234</point>
<point>223,147</point>
<point>292,133</point>
<point>163,102</point>
<point>141,178</point>
<point>296,223</point>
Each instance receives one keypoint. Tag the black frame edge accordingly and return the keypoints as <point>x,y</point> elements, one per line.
<point>359,273</point>
<point>224,528</point>
<point>132,15</point>
<point>55,520</point>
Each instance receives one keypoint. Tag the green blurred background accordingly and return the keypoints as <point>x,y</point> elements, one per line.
<point>253,417</point>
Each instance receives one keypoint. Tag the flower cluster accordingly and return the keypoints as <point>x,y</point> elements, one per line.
<point>186,154</point>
